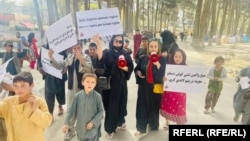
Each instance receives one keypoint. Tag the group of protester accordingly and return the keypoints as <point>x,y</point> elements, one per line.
<point>86,93</point>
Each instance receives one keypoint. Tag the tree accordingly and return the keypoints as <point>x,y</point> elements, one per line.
<point>137,14</point>
<point>38,16</point>
<point>212,28</point>
<point>196,42</point>
<point>222,26</point>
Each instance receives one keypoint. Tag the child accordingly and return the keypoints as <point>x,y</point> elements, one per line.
<point>26,115</point>
<point>147,74</point>
<point>86,101</point>
<point>126,47</point>
<point>177,111</point>
<point>215,75</point>
<point>241,104</point>
<point>14,66</point>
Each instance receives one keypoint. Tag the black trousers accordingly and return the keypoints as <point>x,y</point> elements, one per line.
<point>147,108</point>
<point>51,96</point>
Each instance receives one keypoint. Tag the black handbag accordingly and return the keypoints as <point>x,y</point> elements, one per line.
<point>104,82</point>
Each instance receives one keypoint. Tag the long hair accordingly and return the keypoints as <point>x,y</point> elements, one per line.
<point>167,39</point>
<point>171,58</point>
<point>30,37</point>
<point>159,48</point>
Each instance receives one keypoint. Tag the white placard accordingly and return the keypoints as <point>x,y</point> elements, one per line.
<point>244,82</point>
<point>102,21</point>
<point>3,69</point>
<point>61,35</point>
<point>47,67</point>
<point>188,79</point>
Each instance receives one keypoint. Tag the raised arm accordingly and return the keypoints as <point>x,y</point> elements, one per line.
<point>58,65</point>
<point>96,39</point>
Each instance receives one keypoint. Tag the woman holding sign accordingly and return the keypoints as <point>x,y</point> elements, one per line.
<point>173,105</point>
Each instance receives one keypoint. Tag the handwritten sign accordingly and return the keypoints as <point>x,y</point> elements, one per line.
<point>47,67</point>
<point>244,82</point>
<point>102,21</point>
<point>3,69</point>
<point>61,35</point>
<point>188,79</point>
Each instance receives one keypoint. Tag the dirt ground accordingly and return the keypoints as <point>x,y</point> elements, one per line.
<point>237,56</point>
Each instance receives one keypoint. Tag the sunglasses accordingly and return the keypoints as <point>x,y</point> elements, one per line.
<point>118,41</point>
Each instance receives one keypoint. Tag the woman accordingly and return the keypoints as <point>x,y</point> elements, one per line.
<point>33,50</point>
<point>115,99</point>
<point>147,74</point>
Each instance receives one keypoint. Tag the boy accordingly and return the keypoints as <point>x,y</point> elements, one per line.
<point>14,66</point>
<point>86,101</point>
<point>26,115</point>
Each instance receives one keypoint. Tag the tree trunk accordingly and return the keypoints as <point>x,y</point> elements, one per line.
<point>212,28</point>
<point>55,10</point>
<point>143,13</point>
<point>196,42</point>
<point>222,26</point>
<point>109,3</point>
<point>243,24</point>
<point>231,15</point>
<point>217,16</point>
<point>248,28</point>
<point>137,15</point>
<point>161,17</point>
<point>99,4</point>
<point>51,14</point>
<point>148,14</point>
<point>152,16</point>
<point>38,16</point>
<point>67,5</point>
<point>156,15</point>
<point>131,16</point>
<point>86,5</point>
<point>76,8</point>
<point>204,20</point>
<point>237,16</point>
<point>183,16</point>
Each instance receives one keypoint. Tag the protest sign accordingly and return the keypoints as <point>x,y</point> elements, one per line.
<point>3,69</point>
<point>47,67</point>
<point>102,21</point>
<point>188,79</point>
<point>61,35</point>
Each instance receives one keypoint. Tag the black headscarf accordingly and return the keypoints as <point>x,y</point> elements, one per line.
<point>116,51</point>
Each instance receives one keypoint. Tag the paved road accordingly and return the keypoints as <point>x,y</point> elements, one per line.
<point>195,103</point>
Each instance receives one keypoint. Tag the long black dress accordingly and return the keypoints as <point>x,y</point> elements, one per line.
<point>148,103</point>
<point>115,99</point>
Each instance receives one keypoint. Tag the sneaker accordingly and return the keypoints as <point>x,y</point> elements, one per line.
<point>206,111</point>
<point>69,135</point>
<point>110,136</point>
